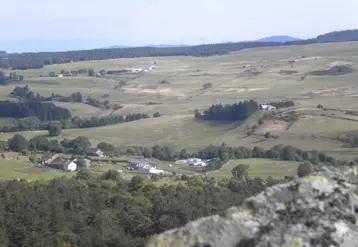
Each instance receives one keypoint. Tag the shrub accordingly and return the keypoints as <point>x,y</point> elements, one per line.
<point>156,114</point>
<point>261,121</point>
<point>208,85</point>
<point>267,135</point>
<point>54,130</point>
<point>304,169</point>
<point>320,106</point>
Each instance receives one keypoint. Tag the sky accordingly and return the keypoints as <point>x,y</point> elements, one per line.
<point>141,22</point>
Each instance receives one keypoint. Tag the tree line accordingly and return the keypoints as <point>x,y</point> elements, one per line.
<point>218,155</point>
<point>19,143</point>
<point>39,59</point>
<point>34,123</point>
<point>31,108</point>
<point>229,112</point>
<point>26,94</point>
<point>282,104</point>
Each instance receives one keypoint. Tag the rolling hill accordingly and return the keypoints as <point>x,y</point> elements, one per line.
<point>280,39</point>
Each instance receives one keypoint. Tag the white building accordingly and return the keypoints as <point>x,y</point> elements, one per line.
<point>200,163</point>
<point>266,107</point>
<point>63,164</point>
<point>192,161</point>
<point>155,171</point>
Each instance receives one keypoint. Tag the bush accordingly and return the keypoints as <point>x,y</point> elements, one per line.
<point>254,127</point>
<point>33,158</point>
<point>261,121</point>
<point>184,177</point>
<point>54,130</point>
<point>155,177</point>
<point>208,85</point>
<point>304,169</point>
<point>164,82</point>
<point>156,114</point>
<point>267,135</point>
<point>18,143</point>
<point>25,152</point>
<point>320,106</point>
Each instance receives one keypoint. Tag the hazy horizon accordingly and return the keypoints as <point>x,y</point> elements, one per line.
<point>140,22</point>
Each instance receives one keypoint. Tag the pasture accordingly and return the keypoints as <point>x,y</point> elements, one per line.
<point>262,168</point>
<point>21,168</point>
<point>263,74</point>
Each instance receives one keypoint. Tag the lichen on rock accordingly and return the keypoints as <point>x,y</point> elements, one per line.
<point>318,210</point>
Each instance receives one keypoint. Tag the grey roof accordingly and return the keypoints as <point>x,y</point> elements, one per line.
<point>92,150</point>
<point>59,163</point>
<point>143,169</point>
<point>139,161</point>
<point>48,155</point>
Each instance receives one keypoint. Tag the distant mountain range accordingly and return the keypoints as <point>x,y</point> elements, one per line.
<point>47,45</point>
<point>38,60</point>
<point>281,39</point>
<point>156,46</point>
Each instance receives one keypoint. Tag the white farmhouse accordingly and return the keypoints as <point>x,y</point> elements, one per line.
<point>266,107</point>
<point>63,164</point>
<point>155,171</point>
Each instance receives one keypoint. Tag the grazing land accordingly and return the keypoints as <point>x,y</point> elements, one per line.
<point>15,166</point>
<point>262,168</point>
<point>309,75</point>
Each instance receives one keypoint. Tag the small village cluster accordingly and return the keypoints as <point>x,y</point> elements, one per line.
<point>53,160</point>
<point>139,165</point>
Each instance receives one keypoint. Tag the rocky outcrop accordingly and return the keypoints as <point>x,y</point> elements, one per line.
<point>318,210</point>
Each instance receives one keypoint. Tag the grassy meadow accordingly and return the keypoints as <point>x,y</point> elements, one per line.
<point>262,168</point>
<point>257,73</point>
<point>19,167</point>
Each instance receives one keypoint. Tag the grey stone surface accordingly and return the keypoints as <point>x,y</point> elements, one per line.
<point>318,210</point>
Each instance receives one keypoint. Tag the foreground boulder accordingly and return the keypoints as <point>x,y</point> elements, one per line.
<point>318,210</point>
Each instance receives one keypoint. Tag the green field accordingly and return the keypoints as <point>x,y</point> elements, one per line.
<point>232,81</point>
<point>260,168</point>
<point>11,168</point>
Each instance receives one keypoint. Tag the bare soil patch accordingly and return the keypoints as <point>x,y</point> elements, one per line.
<point>160,91</point>
<point>274,126</point>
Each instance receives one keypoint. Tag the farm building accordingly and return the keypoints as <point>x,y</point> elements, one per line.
<point>94,152</point>
<point>139,163</point>
<point>148,169</point>
<point>191,161</point>
<point>144,166</point>
<point>196,162</point>
<point>266,107</point>
<point>48,157</point>
<point>63,164</point>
